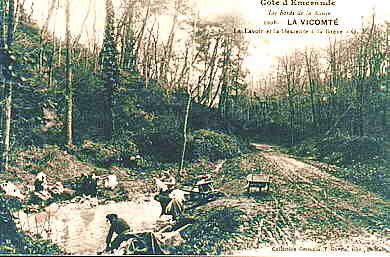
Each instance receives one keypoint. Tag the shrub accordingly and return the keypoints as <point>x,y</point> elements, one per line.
<point>7,224</point>
<point>346,149</point>
<point>343,150</point>
<point>105,154</point>
<point>162,137</point>
<point>211,145</point>
<point>211,232</point>
<point>374,176</point>
<point>39,246</point>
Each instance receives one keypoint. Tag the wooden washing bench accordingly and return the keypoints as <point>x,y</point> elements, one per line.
<point>258,180</point>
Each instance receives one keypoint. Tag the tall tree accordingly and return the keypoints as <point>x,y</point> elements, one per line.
<point>6,66</point>
<point>189,90</point>
<point>110,70</point>
<point>125,31</point>
<point>310,60</point>
<point>68,79</point>
<point>2,13</point>
<point>218,60</point>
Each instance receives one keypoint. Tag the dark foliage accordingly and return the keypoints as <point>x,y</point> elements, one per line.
<point>343,150</point>
<point>212,145</point>
<point>118,151</point>
<point>210,231</point>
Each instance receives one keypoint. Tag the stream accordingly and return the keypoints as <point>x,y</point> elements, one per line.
<point>81,228</point>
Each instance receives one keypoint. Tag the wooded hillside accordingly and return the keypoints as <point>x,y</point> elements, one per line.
<point>177,100</point>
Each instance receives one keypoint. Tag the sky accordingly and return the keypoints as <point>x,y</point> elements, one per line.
<point>263,49</point>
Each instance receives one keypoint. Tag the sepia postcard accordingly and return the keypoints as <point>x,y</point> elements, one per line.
<point>195,127</point>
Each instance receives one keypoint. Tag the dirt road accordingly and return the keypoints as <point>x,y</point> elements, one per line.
<point>323,197</point>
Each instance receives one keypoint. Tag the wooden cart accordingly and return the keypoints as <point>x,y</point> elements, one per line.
<point>261,181</point>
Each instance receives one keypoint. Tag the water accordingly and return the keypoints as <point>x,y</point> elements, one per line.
<point>82,229</point>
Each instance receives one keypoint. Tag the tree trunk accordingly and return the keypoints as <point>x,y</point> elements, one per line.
<point>68,80</point>
<point>7,123</point>
<point>2,8</point>
<point>7,88</point>
<point>309,63</point>
<point>185,131</point>
<point>110,70</point>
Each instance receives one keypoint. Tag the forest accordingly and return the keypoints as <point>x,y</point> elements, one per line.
<point>184,102</point>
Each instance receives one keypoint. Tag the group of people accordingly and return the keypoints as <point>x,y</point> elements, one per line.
<point>165,186</point>
<point>88,183</point>
<point>171,204</point>
<point>171,201</point>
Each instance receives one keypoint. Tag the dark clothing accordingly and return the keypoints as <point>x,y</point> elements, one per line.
<point>169,206</point>
<point>38,185</point>
<point>164,199</point>
<point>119,239</point>
<point>118,226</point>
<point>88,185</point>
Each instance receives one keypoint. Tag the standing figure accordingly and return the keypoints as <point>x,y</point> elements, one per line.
<point>120,227</point>
<point>110,182</point>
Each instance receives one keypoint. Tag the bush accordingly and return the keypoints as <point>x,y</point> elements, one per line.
<point>343,150</point>
<point>374,176</point>
<point>105,154</point>
<point>364,160</point>
<point>346,149</point>
<point>162,137</point>
<point>211,145</point>
<point>8,230</point>
<point>39,246</point>
<point>211,232</point>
